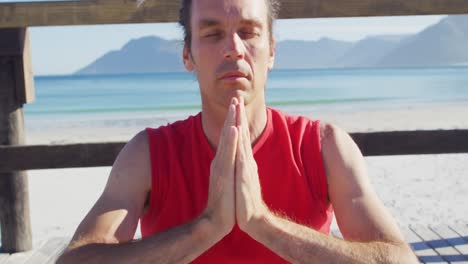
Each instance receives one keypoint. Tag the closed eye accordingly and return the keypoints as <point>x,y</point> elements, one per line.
<point>213,34</point>
<point>247,34</point>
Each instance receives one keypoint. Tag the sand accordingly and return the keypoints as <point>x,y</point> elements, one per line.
<point>419,189</point>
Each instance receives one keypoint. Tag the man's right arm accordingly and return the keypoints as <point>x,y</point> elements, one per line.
<point>106,233</point>
<point>178,245</point>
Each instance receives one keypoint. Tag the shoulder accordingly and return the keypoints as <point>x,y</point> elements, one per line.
<point>330,132</point>
<point>136,148</point>
<point>139,141</point>
<point>336,141</point>
<point>132,167</point>
<point>130,177</point>
<point>342,158</point>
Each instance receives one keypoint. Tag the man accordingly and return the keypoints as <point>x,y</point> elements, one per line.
<point>239,182</point>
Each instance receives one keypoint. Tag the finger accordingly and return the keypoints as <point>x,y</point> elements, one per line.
<point>226,155</point>
<point>247,145</point>
<point>238,116</point>
<point>228,147</point>
<point>243,117</point>
<point>231,115</point>
<point>240,158</point>
<point>228,123</point>
<point>231,149</point>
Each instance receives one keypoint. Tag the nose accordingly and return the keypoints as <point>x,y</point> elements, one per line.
<point>234,47</point>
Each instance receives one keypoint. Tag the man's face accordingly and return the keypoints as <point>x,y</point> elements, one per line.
<point>230,51</point>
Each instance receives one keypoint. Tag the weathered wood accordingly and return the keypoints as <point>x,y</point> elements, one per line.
<point>3,257</point>
<point>412,239</point>
<point>46,252</point>
<point>14,46</point>
<point>18,258</point>
<point>49,252</point>
<point>423,251</point>
<point>14,196</point>
<point>452,238</point>
<point>439,244</point>
<point>462,230</point>
<point>103,154</point>
<point>58,156</point>
<point>85,12</point>
<point>23,70</point>
<point>412,142</point>
<point>359,8</point>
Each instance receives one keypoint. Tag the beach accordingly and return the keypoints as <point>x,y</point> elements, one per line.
<point>417,189</point>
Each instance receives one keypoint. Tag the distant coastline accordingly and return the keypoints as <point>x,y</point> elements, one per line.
<point>440,45</point>
<point>76,75</point>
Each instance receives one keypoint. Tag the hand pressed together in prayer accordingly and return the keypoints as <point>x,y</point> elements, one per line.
<point>234,193</point>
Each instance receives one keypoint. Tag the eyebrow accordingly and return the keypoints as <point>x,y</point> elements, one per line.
<point>251,22</point>
<point>206,23</point>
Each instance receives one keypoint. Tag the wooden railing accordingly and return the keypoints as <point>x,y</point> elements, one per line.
<point>88,12</point>
<point>82,155</point>
<point>16,88</point>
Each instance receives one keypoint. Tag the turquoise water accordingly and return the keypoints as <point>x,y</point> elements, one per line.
<point>79,96</point>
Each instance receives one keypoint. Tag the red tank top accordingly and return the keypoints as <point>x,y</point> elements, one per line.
<point>290,168</point>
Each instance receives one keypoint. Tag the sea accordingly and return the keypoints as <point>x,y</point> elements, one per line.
<point>140,99</point>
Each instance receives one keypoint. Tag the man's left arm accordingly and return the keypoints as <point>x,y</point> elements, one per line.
<point>370,233</point>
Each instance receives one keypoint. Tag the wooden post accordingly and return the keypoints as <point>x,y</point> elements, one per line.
<point>15,90</point>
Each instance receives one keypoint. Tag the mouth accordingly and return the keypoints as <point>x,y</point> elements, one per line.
<point>233,76</point>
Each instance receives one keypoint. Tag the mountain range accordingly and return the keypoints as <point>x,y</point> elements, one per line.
<point>442,44</point>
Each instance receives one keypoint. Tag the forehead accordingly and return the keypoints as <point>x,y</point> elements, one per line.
<point>229,10</point>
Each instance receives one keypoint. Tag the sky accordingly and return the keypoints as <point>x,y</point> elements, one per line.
<point>64,50</point>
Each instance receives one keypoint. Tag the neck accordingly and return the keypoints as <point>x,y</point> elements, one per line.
<point>213,122</point>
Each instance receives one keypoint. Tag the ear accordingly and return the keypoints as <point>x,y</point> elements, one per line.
<point>271,59</point>
<point>187,57</point>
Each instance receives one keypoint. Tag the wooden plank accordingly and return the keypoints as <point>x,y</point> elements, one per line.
<point>454,239</point>
<point>15,52</point>
<point>23,70</point>
<point>424,252</point>
<point>413,240</point>
<point>19,258</point>
<point>14,197</point>
<point>86,12</point>
<point>461,230</point>
<point>3,257</point>
<point>103,154</point>
<point>444,249</point>
<point>49,252</point>
<point>358,8</point>
<point>9,46</point>
<point>412,142</point>
<point>58,156</point>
